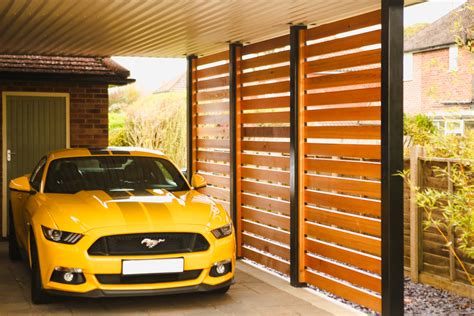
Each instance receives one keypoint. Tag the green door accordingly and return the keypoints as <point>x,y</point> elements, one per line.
<point>35,125</point>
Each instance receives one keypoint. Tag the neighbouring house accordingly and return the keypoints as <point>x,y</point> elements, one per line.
<point>51,102</point>
<point>177,84</point>
<point>439,74</point>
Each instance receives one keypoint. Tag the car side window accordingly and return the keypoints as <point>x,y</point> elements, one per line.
<point>37,175</point>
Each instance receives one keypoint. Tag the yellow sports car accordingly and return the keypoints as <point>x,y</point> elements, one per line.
<point>118,222</point>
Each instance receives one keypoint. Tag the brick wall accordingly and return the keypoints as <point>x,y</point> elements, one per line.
<point>88,109</point>
<point>433,83</point>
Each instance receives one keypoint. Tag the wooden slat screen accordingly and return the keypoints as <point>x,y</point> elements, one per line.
<point>211,129</point>
<point>264,153</point>
<point>341,162</point>
<point>339,155</point>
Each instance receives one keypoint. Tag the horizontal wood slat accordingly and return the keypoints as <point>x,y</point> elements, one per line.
<point>216,180</point>
<point>344,150</point>
<point>279,132</point>
<point>219,193</point>
<point>263,146</point>
<point>344,202</point>
<point>350,293</point>
<point>361,113</point>
<point>265,103</point>
<point>268,261</point>
<point>213,83</point>
<point>343,97</point>
<point>344,167</point>
<point>213,143</point>
<point>344,61</point>
<point>213,95</point>
<point>354,276</point>
<point>266,160</point>
<point>342,44</point>
<point>266,203</point>
<point>266,231</point>
<point>209,59</point>
<point>266,189</point>
<point>265,74</point>
<point>371,245</point>
<point>366,76</point>
<point>266,218</point>
<point>266,175</point>
<point>212,131</point>
<point>347,132</point>
<point>267,246</point>
<point>361,224</point>
<point>212,167</point>
<point>266,60</point>
<point>344,185</point>
<point>212,71</point>
<point>355,258</point>
<point>267,45</point>
<point>268,117</point>
<point>221,119</point>
<point>346,25</point>
<point>267,88</point>
<point>216,107</point>
<point>213,155</point>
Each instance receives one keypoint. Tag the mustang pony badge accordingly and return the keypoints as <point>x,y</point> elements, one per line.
<point>151,243</point>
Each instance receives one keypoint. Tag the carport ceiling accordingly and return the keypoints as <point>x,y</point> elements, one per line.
<point>167,28</point>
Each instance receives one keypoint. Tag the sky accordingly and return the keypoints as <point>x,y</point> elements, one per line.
<point>150,73</point>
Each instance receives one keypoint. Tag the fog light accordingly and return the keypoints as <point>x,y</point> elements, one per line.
<point>68,275</point>
<point>221,268</point>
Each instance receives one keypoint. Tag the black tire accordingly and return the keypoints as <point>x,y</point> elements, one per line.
<point>13,248</point>
<point>38,295</point>
<point>221,290</point>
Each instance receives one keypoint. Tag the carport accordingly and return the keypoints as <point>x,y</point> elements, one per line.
<point>295,118</point>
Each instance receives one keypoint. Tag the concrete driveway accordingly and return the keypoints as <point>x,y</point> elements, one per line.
<point>255,293</point>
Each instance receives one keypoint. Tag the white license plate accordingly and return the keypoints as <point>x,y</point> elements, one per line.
<point>132,267</point>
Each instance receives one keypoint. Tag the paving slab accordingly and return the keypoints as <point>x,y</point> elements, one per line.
<point>255,293</point>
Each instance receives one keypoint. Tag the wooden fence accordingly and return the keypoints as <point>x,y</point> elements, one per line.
<point>339,155</point>
<point>427,254</point>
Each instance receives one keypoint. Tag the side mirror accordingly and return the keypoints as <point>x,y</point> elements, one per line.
<point>21,184</point>
<point>198,181</point>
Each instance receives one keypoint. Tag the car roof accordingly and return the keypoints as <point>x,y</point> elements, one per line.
<point>101,151</point>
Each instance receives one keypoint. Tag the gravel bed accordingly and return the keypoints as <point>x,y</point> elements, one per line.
<point>422,299</point>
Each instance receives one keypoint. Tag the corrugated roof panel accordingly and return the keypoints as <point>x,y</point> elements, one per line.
<point>166,28</point>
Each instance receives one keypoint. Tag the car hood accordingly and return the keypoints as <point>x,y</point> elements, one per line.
<point>87,210</point>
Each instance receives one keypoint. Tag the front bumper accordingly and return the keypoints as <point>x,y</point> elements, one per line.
<point>52,255</point>
<point>127,293</point>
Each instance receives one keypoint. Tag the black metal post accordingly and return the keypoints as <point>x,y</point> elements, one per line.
<point>392,157</point>
<point>233,131</point>
<point>295,73</point>
<point>189,116</point>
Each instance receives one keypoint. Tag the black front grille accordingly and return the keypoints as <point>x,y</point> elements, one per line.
<point>135,244</point>
<point>147,278</point>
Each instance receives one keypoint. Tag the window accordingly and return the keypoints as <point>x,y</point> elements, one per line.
<point>37,175</point>
<point>112,173</point>
<point>454,127</point>
<point>408,66</point>
<point>453,58</point>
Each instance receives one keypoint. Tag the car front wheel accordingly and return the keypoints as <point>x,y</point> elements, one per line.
<point>13,249</point>
<point>38,295</point>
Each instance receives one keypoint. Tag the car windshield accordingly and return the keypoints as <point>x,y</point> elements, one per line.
<point>112,173</point>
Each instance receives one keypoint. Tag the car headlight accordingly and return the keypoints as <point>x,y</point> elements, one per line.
<point>61,236</point>
<point>223,231</point>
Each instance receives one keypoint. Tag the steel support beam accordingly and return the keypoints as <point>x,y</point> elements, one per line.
<point>392,157</point>
<point>191,59</point>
